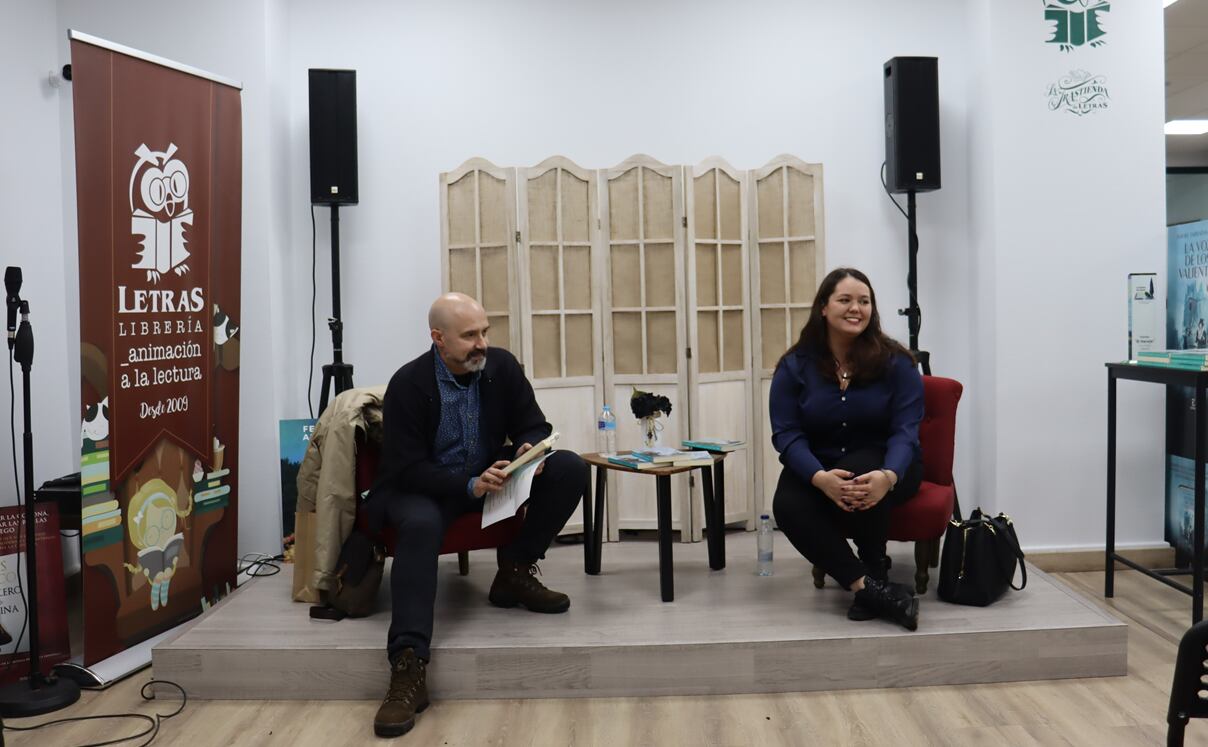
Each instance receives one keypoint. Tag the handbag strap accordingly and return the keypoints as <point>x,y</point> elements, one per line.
<point>1003,522</point>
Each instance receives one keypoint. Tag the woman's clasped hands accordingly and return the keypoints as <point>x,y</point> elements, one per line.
<point>852,492</point>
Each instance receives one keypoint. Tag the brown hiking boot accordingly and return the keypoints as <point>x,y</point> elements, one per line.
<point>407,696</point>
<point>516,584</point>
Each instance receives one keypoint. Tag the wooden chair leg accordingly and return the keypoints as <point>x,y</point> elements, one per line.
<point>922,562</point>
<point>819,577</point>
<point>463,563</point>
<point>935,553</point>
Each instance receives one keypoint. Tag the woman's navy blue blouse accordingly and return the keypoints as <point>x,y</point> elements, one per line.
<point>815,424</point>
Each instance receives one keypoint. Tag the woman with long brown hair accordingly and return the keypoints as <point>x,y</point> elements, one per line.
<point>845,406</point>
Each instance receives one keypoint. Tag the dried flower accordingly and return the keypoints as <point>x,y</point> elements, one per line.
<point>647,404</point>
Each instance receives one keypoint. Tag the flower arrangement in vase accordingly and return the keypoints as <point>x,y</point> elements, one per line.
<point>647,407</point>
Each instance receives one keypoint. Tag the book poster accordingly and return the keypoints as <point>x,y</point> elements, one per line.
<point>295,437</point>
<point>54,645</point>
<point>158,192</point>
<point>1186,328</point>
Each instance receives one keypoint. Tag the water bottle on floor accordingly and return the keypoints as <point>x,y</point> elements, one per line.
<point>606,431</point>
<point>764,540</point>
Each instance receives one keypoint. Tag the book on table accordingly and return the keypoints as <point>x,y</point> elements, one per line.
<point>1188,360</point>
<point>722,445</point>
<point>693,458</point>
<point>657,454</point>
<point>631,462</point>
<point>667,457</point>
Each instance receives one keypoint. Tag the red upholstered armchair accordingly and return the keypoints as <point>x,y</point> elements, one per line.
<point>464,535</point>
<point>924,518</point>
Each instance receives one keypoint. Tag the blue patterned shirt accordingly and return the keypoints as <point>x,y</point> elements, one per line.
<point>457,445</point>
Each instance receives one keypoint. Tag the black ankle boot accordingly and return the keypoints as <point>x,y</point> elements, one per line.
<point>878,569</point>
<point>890,601</point>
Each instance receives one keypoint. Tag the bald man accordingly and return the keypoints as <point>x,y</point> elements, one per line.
<point>447,415</point>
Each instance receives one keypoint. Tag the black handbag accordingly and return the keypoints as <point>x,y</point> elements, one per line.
<point>978,563</point>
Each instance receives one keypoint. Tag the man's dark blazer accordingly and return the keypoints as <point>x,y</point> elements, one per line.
<point>411,415</point>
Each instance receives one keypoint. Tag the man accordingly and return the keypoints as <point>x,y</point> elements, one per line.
<point>446,417</point>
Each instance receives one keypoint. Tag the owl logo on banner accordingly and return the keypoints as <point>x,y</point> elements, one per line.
<point>1076,22</point>
<point>159,207</point>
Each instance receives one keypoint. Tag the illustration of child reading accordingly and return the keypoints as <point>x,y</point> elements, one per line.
<point>152,523</point>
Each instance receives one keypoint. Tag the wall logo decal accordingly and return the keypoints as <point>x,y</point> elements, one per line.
<point>1079,93</point>
<point>1076,22</point>
<point>159,208</point>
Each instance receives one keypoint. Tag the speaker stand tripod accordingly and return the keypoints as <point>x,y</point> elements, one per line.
<point>914,314</point>
<point>337,374</point>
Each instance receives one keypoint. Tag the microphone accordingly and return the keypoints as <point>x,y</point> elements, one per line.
<point>12,286</point>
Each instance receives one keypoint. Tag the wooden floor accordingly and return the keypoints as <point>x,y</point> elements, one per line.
<point>1113,711</point>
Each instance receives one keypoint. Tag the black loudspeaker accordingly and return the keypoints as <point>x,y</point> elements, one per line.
<point>333,137</point>
<point>912,124</point>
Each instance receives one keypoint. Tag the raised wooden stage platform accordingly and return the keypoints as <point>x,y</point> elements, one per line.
<point>727,631</point>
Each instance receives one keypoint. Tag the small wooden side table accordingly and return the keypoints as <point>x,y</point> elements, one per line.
<point>713,483</point>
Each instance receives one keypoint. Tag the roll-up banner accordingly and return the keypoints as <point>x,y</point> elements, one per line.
<point>158,190</point>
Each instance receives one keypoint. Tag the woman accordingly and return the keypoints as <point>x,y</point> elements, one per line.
<point>845,407</point>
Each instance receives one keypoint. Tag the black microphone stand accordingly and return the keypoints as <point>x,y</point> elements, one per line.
<point>35,693</point>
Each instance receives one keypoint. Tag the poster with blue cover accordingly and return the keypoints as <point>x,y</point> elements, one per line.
<point>295,437</point>
<point>1186,328</point>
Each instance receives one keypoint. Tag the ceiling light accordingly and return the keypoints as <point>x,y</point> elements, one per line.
<point>1168,3</point>
<point>1187,127</point>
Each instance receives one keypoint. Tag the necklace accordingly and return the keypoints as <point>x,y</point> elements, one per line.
<point>844,376</point>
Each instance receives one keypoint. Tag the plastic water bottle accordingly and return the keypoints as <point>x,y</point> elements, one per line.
<point>606,431</point>
<point>764,539</point>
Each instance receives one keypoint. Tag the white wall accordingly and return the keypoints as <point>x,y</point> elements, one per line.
<point>1077,203</point>
<point>31,216</point>
<point>1024,252</point>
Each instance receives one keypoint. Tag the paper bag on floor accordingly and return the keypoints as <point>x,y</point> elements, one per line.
<point>304,557</point>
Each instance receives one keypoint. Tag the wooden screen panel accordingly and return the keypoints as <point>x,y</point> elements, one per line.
<point>719,304</point>
<point>494,279</point>
<point>708,342</point>
<point>557,208</point>
<point>543,274</point>
<point>661,349</point>
<point>547,347</point>
<point>773,328</point>
<point>478,245</point>
<point>627,343</point>
<point>463,271</point>
<point>642,229</point>
<point>644,250</point>
<point>576,278</point>
<point>788,229</point>
<point>462,205</point>
<point>788,199</point>
<point>719,268</point>
<point>659,280</point>
<point>580,353</point>
<point>561,274</point>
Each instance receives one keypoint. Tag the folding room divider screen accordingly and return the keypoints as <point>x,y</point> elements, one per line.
<point>688,281</point>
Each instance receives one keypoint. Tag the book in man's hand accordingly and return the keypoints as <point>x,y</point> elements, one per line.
<point>538,449</point>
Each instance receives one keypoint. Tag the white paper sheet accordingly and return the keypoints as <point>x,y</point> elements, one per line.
<point>503,504</point>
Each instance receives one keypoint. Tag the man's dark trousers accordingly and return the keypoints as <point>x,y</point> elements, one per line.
<point>420,521</point>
